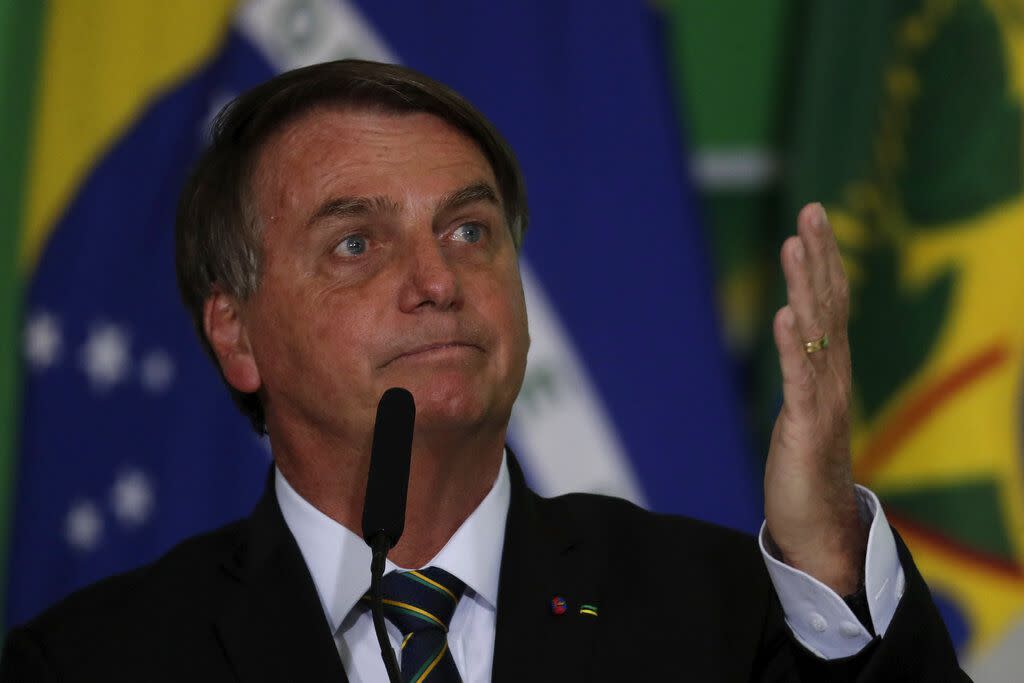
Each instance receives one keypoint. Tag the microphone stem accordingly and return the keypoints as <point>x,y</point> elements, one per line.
<point>380,546</point>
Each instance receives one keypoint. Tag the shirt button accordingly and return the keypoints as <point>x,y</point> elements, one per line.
<point>849,629</point>
<point>818,622</point>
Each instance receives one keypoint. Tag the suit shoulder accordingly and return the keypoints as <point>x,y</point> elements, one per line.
<point>623,523</point>
<point>643,548</point>
<point>182,578</point>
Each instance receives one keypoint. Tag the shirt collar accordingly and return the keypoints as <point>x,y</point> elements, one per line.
<point>339,560</point>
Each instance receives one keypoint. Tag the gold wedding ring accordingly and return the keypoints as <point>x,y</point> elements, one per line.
<point>816,345</point>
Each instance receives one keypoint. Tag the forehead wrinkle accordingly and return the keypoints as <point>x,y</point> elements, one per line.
<point>300,143</point>
<point>349,207</point>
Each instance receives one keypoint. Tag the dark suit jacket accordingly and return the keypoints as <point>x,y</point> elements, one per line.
<point>677,599</point>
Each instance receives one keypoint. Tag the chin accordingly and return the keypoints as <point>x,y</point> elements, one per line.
<point>449,405</point>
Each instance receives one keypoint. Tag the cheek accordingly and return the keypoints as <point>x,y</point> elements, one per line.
<point>513,287</point>
<point>349,330</point>
<point>507,312</point>
<point>337,327</point>
<point>514,342</point>
<point>517,320</point>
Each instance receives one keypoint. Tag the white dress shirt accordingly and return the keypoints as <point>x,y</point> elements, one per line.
<point>818,617</point>
<point>339,562</point>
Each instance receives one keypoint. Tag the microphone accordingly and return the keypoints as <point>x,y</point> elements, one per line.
<point>384,505</point>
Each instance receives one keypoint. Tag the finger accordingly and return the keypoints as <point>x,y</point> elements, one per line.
<point>798,385</point>
<point>835,298</point>
<point>800,292</point>
<point>831,297</point>
<point>821,247</point>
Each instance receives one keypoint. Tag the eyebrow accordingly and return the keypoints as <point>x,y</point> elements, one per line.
<point>477,192</point>
<point>352,207</point>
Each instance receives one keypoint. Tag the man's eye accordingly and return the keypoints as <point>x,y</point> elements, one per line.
<point>354,245</point>
<point>469,232</point>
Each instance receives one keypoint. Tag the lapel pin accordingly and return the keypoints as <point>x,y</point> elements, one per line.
<point>590,610</point>
<point>558,605</point>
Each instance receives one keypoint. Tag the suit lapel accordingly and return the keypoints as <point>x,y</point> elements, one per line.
<point>273,627</point>
<point>546,555</point>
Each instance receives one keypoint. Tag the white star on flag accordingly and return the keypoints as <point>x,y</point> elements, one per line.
<point>157,371</point>
<point>84,525</point>
<point>42,339</point>
<point>132,497</point>
<point>105,356</point>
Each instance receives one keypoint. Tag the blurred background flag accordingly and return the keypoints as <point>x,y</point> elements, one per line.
<point>908,127</point>
<point>116,438</point>
<point>125,440</point>
<point>905,118</point>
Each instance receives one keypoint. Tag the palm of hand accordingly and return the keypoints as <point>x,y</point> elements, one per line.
<point>810,500</point>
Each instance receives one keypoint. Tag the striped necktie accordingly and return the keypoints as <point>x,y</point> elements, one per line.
<point>421,605</point>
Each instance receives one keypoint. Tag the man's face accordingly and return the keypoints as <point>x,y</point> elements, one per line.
<point>387,261</point>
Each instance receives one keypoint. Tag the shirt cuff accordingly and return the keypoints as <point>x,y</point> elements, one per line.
<point>817,615</point>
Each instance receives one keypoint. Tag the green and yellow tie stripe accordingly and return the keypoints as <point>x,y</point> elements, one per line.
<point>421,604</point>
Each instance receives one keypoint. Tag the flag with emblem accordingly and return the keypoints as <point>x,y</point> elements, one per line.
<point>909,129</point>
<point>128,442</point>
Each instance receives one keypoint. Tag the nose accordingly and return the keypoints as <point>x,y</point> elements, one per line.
<point>431,281</point>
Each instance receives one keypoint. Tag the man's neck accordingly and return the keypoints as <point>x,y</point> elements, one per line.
<point>448,478</point>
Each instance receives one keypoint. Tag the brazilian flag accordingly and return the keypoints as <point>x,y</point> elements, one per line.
<point>18,46</point>
<point>909,128</point>
<point>126,439</point>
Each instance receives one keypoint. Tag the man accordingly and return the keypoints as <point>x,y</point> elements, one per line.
<point>355,226</point>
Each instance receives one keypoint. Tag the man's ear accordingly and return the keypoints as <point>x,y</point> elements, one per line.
<point>226,331</point>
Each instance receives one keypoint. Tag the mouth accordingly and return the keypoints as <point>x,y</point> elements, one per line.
<point>438,350</point>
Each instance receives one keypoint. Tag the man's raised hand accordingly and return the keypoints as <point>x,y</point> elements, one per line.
<point>810,500</point>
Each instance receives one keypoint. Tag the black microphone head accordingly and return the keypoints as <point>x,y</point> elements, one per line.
<point>388,483</point>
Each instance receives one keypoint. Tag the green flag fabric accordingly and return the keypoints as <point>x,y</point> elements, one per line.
<point>19,48</point>
<point>908,128</point>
